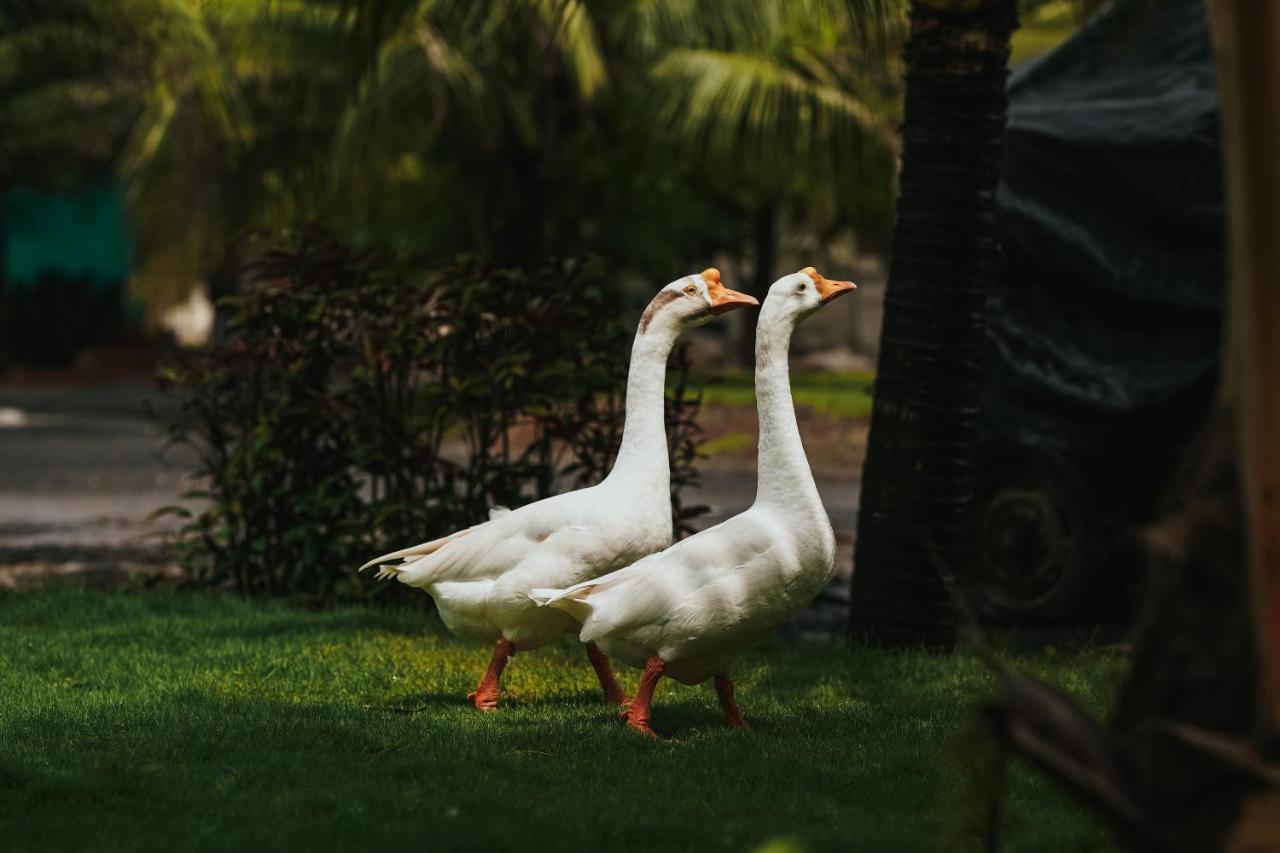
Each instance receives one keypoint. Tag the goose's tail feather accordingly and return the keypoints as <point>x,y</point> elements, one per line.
<point>408,555</point>
<point>417,552</point>
<point>572,600</point>
<point>543,596</point>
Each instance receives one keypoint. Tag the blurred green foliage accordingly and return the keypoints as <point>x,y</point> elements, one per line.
<point>352,407</point>
<point>650,132</point>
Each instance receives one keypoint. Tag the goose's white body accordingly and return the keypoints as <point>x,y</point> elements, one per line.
<point>480,577</point>
<point>701,602</point>
<point>698,604</point>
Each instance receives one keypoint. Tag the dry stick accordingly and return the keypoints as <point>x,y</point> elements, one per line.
<point>1247,36</point>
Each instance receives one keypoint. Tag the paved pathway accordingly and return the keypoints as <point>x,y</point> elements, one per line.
<point>80,471</point>
<point>81,468</point>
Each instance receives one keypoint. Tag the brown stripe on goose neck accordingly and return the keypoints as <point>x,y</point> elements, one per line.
<point>659,302</point>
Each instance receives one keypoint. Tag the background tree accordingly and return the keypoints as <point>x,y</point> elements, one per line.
<point>463,130</point>
<point>136,88</point>
<point>518,128</point>
<point>785,111</point>
<point>919,477</point>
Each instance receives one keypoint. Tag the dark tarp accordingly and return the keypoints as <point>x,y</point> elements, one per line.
<point>1105,319</point>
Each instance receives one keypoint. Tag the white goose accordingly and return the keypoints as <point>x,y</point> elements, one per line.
<point>480,577</point>
<point>688,611</point>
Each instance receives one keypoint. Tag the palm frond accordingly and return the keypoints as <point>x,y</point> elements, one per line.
<point>419,83</point>
<point>37,147</point>
<point>756,113</point>
<point>647,25</point>
<point>756,25</point>
<point>52,48</point>
<point>179,160</point>
<point>284,40</point>
<point>574,35</point>
<point>874,24</point>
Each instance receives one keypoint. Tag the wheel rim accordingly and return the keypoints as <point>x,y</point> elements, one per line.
<point>1025,550</point>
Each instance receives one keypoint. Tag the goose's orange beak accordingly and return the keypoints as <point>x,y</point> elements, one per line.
<point>722,298</point>
<point>827,288</point>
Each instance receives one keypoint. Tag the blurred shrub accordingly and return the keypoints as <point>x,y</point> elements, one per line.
<point>348,409</point>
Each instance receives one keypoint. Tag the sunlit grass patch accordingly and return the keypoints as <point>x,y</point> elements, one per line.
<point>730,442</point>
<point>186,721</point>
<point>842,393</point>
<point>1043,29</point>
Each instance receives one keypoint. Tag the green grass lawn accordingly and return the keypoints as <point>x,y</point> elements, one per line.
<point>843,393</point>
<point>169,721</point>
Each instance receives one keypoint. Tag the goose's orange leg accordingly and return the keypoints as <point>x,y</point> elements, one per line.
<point>637,715</point>
<point>600,663</point>
<point>724,691</point>
<point>485,696</point>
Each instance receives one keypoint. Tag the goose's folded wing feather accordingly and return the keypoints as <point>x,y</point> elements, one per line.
<point>653,590</point>
<point>491,548</point>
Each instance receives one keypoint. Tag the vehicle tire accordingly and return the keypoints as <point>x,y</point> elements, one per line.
<point>1038,539</point>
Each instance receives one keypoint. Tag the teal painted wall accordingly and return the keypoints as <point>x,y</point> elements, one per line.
<point>75,235</point>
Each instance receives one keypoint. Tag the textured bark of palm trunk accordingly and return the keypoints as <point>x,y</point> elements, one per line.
<point>919,478</point>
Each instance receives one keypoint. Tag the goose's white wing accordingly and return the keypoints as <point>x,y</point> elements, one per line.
<point>487,550</point>
<point>727,562</point>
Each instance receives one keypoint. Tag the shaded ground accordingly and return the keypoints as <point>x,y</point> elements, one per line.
<point>161,721</point>
<point>81,469</point>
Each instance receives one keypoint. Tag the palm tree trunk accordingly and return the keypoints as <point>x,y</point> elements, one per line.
<point>918,481</point>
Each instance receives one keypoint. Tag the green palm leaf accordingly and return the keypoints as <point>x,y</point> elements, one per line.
<point>574,35</point>
<point>744,116</point>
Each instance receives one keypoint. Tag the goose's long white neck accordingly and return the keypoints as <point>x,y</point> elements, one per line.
<point>785,480</point>
<point>642,456</point>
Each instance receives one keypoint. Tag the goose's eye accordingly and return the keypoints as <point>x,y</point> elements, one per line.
<point>691,290</point>
<point>800,288</point>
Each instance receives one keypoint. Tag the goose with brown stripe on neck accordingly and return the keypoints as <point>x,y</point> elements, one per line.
<point>689,611</point>
<point>480,577</point>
